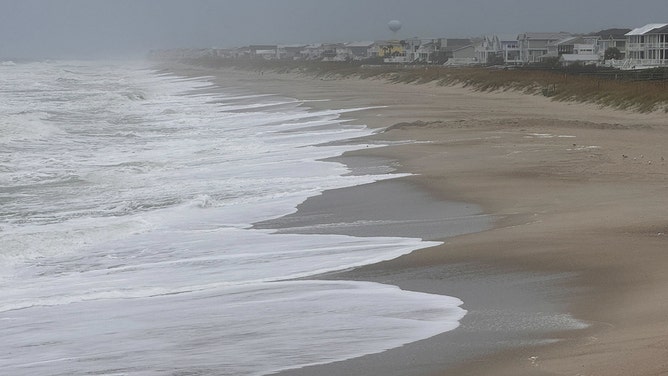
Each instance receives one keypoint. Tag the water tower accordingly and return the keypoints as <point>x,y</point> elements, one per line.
<point>394,26</point>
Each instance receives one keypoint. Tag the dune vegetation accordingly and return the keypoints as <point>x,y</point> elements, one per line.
<point>641,91</point>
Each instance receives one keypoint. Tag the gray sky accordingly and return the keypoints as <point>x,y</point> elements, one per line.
<point>106,28</point>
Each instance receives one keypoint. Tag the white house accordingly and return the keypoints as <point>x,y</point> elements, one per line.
<point>647,46</point>
<point>510,48</point>
<point>427,50</point>
<point>488,48</point>
<point>505,47</point>
<point>411,47</point>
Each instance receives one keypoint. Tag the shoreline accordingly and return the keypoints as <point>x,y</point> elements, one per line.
<point>574,192</point>
<point>528,313</point>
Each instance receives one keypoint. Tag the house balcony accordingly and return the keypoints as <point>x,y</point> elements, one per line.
<point>646,46</point>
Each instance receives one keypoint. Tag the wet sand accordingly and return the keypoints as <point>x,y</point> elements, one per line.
<point>578,197</point>
<point>506,308</point>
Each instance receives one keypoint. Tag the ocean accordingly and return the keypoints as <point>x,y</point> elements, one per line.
<point>127,199</point>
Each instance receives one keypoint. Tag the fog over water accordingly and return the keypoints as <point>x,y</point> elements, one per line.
<point>121,28</point>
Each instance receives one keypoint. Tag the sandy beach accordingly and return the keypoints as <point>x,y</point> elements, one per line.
<point>575,197</point>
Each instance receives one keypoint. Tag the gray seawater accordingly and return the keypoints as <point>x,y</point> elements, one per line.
<point>127,199</point>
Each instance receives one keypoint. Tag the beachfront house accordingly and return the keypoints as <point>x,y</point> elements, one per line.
<point>332,52</point>
<point>497,49</point>
<point>263,51</point>
<point>464,52</point>
<point>230,53</point>
<point>534,47</point>
<point>647,46</point>
<point>488,49</point>
<point>391,51</point>
<point>323,52</point>
<point>428,51</point>
<point>311,52</point>
<point>358,50</point>
<point>415,50</point>
<point>580,45</point>
<point>612,38</point>
<point>419,50</point>
<point>462,56</point>
<point>411,46</point>
<point>581,50</point>
<point>290,51</point>
<point>449,45</point>
<point>510,47</point>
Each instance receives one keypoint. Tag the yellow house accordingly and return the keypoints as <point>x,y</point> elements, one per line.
<point>391,48</point>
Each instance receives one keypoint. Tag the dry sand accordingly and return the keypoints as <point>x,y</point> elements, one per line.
<point>575,189</point>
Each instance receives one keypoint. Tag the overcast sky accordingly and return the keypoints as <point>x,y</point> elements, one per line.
<point>102,28</point>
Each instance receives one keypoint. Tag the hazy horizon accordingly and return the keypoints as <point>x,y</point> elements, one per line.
<point>122,28</point>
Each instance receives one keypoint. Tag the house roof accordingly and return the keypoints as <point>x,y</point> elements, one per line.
<point>507,37</point>
<point>360,44</point>
<point>646,29</point>
<point>612,33</point>
<point>661,30</point>
<point>569,40</point>
<point>544,36</point>
<point>429,44</point>
<point>464,47</point>
<point>576,40</point>
<point>456,42</point>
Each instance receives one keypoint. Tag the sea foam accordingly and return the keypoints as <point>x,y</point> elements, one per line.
<point>127,204</point>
